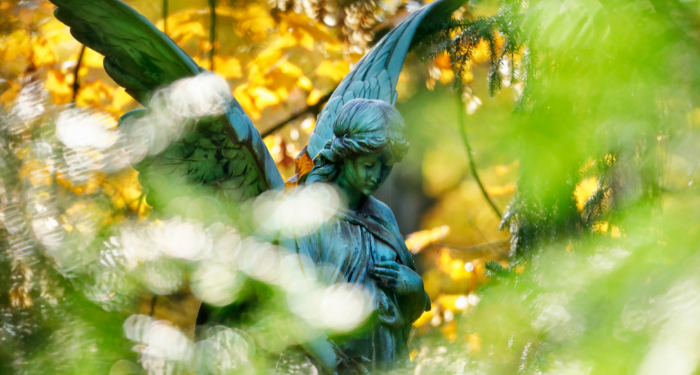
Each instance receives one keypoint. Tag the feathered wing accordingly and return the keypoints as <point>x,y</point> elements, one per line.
<point>138,56</point>
<point>223,155</point>
<point>376,74</point>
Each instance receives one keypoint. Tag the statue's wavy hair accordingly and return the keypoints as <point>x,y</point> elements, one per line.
<point>362,127</point>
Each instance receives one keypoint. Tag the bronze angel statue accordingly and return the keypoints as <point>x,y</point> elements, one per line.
<point>358,137</point>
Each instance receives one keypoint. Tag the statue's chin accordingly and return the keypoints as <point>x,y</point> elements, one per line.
<point>369,191</point>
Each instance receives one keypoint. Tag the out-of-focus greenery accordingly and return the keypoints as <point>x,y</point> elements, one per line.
<point>591,143</point>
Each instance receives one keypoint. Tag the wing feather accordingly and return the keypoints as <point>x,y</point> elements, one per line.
<point>223,156</point>
<point>236,167</point>
<point>375,76</point>
<point>138,56</point>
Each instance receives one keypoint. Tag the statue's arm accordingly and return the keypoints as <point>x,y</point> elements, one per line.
<point>400,278</point>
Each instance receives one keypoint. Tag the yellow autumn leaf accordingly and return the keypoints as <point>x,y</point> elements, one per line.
<point>305,83</point>
<point>6,5</point>
<point>124,191</point>
<point>184,32</point>
<point>94,93</point>
<point>129,195</point>
<point>10,93</point>
<point>92,185</point>
<point>199,61</point>
<point>442,61</point>
<point>481,53</point>
<point>335,70</point>
<point>446,76</point>
<point>282,93</point>
<point>16,44</point>
<point>92,59</point>
<point>175,19</point>
<point>502,170</point>
<point>56,32</point>
<point>601,227</point>
<point>229,68</point>
<point>246,101</point>
<point>35,172</point>
<point>500,190</point>
<point>307,41</point>
<point>427,316</point>
<point>419,240</point>
<point>302,22</point>
<point>264,98</point>
<point>270,142</point>
<point>615,231</point>
<point>254,20</point>
<point>42,52</point>
<point>260,66</point>
<point>467,75</point>
<point>584,190</point>
<point>314,96</point>
<point>59,87</point>
<point>119,101</point>
<point>286,41</point>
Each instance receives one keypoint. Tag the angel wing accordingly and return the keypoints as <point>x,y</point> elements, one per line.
<point>376,74</point>
<point>138,56</point>
<point>224,155</point>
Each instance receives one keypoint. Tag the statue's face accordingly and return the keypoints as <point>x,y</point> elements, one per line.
<point>367,173</point>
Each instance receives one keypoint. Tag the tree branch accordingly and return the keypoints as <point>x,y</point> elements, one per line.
<point>315,109</point>
<point>212,32</point>
<point>463,132</point>
<point>76,83</point>
<point>165,17</point>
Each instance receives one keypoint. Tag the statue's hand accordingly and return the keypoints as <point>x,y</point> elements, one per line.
<point>397,277</point>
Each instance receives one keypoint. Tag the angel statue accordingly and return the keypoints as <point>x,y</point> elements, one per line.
<point>357,139</point>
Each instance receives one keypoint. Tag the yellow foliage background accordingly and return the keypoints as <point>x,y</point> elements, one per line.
<point>277,62</point>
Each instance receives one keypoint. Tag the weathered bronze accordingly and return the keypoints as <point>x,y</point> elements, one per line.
<point>358,137</point>
<point>362,243</point>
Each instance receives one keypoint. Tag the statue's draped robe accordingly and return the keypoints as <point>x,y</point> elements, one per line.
<point>343,250</point>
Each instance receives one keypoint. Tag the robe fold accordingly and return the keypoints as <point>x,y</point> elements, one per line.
<point>343,250</point>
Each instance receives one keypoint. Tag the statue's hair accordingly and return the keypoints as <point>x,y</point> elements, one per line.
<point>362,127</point>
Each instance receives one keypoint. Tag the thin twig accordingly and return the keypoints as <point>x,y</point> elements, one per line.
<point>497,247</point>
<point>153,305</point>
<point>463,132</point>
<point>212,32</point>
<point>76,83</point>
<point>314,109</point>
<point>165,17</point>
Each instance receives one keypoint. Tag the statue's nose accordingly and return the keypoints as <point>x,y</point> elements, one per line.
<point>375,177</point>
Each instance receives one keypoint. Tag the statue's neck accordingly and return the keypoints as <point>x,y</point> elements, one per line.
<point>354,197</point>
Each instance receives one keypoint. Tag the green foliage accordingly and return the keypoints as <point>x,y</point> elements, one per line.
<point>495,269</point>
<point>578,104</point>
<point>459,38</point>
<point>599,283</point>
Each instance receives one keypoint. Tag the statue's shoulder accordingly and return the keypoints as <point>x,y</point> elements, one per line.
<point>381,210</point>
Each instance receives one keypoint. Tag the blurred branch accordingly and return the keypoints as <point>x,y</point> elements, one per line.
<point>212,32</point>
<point>314,109</point>
<point>153,305</point>
<point>76,84</point>
<point>497,249</point>
<point>463,132</point>
<point>165,17</point>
